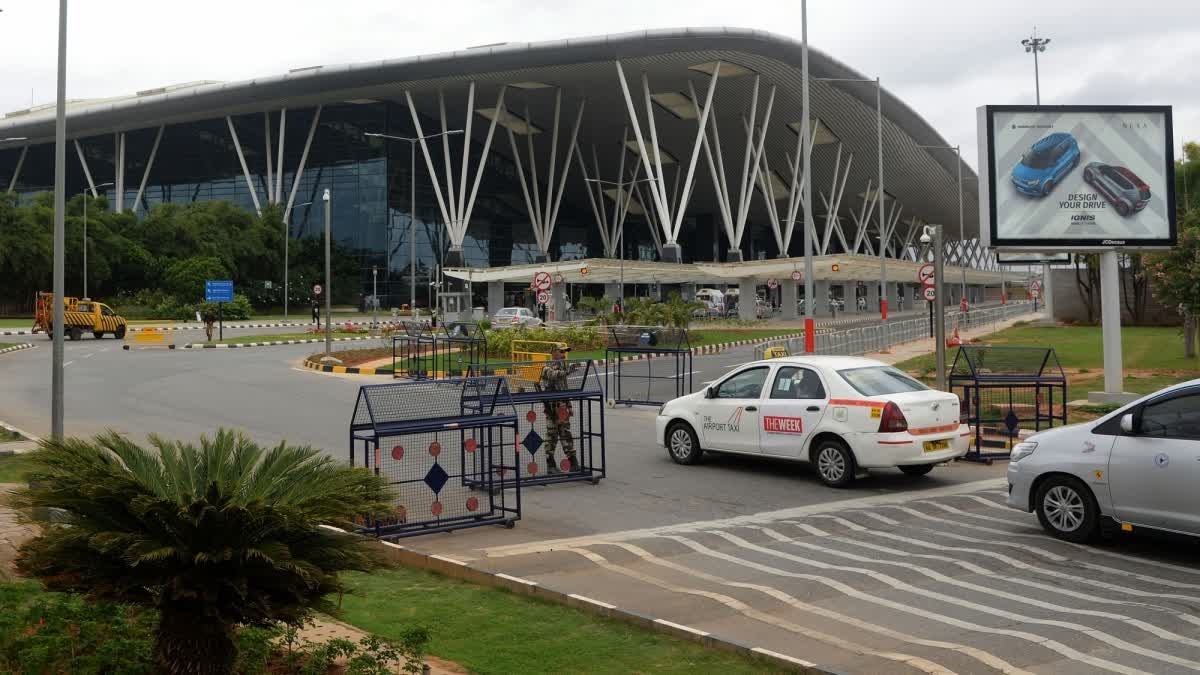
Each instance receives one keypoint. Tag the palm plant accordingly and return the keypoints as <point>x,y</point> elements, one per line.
<point>215,536</point>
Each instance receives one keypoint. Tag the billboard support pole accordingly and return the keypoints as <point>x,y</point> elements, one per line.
<point>1110,322</point>
<point>1047,294</point>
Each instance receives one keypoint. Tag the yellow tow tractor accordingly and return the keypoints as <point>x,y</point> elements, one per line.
<point>79,315</point>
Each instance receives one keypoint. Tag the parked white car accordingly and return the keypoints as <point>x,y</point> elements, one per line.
<point>515,316</point>
<point>1138,466</point>
<point>842,414</point>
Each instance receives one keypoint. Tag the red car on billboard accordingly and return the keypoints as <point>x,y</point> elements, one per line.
<point>1121,187</point>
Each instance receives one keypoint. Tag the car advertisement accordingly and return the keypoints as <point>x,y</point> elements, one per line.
<point>1063,177</point>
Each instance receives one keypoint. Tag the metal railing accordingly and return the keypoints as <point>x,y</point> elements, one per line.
<point>879,337</point>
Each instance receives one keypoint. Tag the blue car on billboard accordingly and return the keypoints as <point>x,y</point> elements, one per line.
<point>1043,167</point>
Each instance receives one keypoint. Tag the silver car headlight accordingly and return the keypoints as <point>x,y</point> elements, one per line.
<point>1022,450</point>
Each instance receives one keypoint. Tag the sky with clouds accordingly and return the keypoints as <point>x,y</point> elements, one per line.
<point>942,57</point>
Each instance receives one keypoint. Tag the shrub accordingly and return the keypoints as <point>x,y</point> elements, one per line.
<point>499,342</point>
<point>211,536</point>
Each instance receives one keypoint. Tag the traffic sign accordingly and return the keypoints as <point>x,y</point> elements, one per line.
<point>796,275</point>
<point>772,283</point>
<point>1035,293</point>
<point>218,291</point>
<point>930,293</point>
<point>558,277</point>
<point>543,297</point>
<point>1035,286</point>
<point>541,281</point>
<point>925,274</point>
<point>317,289</point>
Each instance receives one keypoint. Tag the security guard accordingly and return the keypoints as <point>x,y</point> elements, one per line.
<point>558,413</point>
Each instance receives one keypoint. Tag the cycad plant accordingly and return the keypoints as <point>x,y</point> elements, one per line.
<point>214,535</point>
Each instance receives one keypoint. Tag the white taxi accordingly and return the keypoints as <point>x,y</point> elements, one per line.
<point>843,414</point>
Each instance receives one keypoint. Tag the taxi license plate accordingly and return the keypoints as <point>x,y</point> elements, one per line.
<point>934,446</point>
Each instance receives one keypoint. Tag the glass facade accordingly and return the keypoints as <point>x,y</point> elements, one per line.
<point>370,181</point>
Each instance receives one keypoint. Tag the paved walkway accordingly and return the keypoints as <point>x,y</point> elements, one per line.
<point>916,348</point>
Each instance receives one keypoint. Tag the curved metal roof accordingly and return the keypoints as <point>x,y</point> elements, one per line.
<point>923,181</point>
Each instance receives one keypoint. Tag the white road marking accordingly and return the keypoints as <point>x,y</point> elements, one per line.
<point>1023,565</point>
<point>682,627</point>
<point>934,616</point>
<point>68,363</point>
<point>584,598</point>
<point>951,581</point>
<point>747,610</point>
<point>548,545</point>
<point>1053,556</point>
<point>822,611</point>
<point>1091,550</point>
<point>88,356</point>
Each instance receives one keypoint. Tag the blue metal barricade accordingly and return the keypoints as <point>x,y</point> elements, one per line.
<point>446,447</point>
<point>661,369</point>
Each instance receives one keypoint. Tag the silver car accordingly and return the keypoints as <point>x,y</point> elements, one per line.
<point>1138,466</point>
<point>1121,187</point>
<point>515,316</point>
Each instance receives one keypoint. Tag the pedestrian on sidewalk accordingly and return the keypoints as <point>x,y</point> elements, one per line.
<point>316,311</point>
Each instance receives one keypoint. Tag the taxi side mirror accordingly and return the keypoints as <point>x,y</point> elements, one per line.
<point>1128,423</point>
<point>709,392</point>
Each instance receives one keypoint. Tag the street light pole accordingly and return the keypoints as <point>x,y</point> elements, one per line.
<point>412,205</point>
<point>931,235</point>
<point>374,297</point>
<point>1036,44</point>
<point>328,285</point>
<point>60,211</point>
<point>961,225</point>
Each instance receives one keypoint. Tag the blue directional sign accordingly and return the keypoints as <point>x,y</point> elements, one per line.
<point>218,291</point>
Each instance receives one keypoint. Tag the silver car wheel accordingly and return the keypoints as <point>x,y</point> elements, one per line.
<point>831,464</point>
<point>681,443</point>
<point>1064,508</point>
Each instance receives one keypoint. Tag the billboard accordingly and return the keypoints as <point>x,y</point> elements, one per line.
<point>1056,178</point>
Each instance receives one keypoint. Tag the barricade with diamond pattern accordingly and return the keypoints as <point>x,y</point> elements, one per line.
<point>572,417</point>
<point>446,447</point>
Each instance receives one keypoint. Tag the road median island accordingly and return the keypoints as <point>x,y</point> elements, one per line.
<point>17,348</point>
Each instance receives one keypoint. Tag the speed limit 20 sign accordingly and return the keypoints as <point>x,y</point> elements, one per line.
<point>930,293</point>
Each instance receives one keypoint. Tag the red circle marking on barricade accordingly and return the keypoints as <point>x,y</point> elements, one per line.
<point>565,465</point>
<point>472,503</point>
<point>435,449</point>
<point>398,453</point>
<point>378,461</point>
<point>532,468</point>
<point>470,444</point>
<point>531,416</point>
<point>436,508</point>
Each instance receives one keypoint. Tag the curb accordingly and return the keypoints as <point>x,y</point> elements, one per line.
<point>344,370</point>
<point>460,570</point>
<point>27,436</point>
<point>240,345</point>
<point>17,348</point>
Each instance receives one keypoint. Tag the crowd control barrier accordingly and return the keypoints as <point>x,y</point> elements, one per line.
<point>661,368</point>
<point>446,448</point>
<point>1003,392</point>
<point>543,416</point>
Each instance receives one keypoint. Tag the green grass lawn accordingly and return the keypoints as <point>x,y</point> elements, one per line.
<point>489,630</point>
<point>14,468</point>
<point>1079,347</point>
<point>16,323</point>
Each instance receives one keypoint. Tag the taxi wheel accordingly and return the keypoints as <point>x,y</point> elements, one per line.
<point>916,469</point>
<point>682,444</point>
<point>1067,509</point>
<point>834,463</point>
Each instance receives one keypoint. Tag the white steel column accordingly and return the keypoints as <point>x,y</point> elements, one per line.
<point>312,130</point>
<point>150,163</point>
<point>1110,321</point>
<point>237,145</point>
<point>119,172</point>
<point>809,327</point>
<point>279,164</point>
<point>437,188</point>
<point>270,166</point>
<point>86,171</point>
<point>487,146</point>
<point>12,183</point>
<point>1048,293</point>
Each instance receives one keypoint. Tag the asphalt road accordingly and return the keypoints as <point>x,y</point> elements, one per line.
<point>896,575</point>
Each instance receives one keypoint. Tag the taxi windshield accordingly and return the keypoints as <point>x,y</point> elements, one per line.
<point>880,381</point>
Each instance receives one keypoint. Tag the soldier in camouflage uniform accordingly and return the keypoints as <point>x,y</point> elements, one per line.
<point>558,413</point>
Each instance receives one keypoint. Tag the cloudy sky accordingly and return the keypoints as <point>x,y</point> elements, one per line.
<point>943,57</point>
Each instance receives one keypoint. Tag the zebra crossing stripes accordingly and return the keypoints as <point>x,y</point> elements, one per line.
<point>949,582</point>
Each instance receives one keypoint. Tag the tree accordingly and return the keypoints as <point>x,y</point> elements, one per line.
<point>1173,276</point>
<point>1087,282</point>
<point>214,536</point>
<point>1191,151</point>
<point>1135,285</point>
<point>185,278</point>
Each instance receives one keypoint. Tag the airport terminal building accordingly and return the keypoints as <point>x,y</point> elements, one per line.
<point>656,159</point>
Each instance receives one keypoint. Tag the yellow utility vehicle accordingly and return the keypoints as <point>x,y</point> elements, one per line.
<point>79,315</point>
